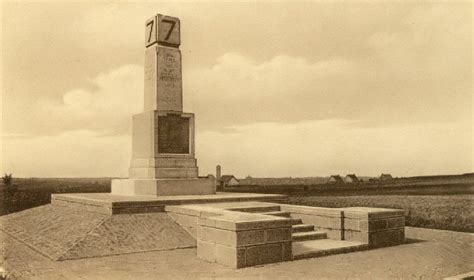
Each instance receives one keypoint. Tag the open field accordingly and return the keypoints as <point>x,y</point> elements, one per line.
<point>33,192</point>
<point>346,189</point>
<point>449,212</point>
<point>437,206</point>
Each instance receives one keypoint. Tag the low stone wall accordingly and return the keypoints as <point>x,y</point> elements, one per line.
<point>243,240</point>
<point>376,227</point>
<point>237,235</point>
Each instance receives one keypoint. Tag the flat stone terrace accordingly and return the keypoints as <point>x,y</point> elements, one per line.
<point>107,203</point>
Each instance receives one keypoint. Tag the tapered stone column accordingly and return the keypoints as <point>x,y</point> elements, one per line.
<point>163,161</point>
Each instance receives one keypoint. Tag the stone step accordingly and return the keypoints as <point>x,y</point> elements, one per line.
<point>302,228</point>
<point>324,247</point>
<point>278,213</point>
<point>310,235</point>
<point>296,221</point>
<point>257,209</point>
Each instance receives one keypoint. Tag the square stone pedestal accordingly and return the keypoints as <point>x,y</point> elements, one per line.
<point>163,187</point>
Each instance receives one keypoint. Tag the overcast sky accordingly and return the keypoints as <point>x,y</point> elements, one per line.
<point>278,89</point>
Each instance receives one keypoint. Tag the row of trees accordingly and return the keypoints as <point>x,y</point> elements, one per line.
<point>8,180</point>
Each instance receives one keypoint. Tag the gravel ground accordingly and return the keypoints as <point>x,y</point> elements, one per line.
<point>430,254</point>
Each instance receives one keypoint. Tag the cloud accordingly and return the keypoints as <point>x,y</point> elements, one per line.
<point>80,153</point>
<point>418,70</point>
<point>104,105</point>
<point>310,148</point>
<point>321,148</point>
<point>237,90</point>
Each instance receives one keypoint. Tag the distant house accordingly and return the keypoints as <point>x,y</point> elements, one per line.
<point>386,177</point>
<point>335,179</point>
<point>351,178</point>
<point>228,181</point>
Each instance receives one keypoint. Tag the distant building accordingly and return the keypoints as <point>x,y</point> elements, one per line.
<point>228,181</point>
<point>351,178</point>
<point>335,179</point>
<point>386,177</point>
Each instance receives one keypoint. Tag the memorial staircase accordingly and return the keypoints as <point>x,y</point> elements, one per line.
<point>309,242</point>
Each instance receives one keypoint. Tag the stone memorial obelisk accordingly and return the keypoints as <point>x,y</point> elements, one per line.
<point>163,161</point>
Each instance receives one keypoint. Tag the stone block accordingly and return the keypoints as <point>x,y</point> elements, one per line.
<point>314,211</point>
<point>180,209</point>
<point>372,225</point>
<point>143,139</point>
<point>139,209</point>
<point>322,221</point>
<point>206,250</point>
<point>164,30</point>
<point>230,256</point>
<point>168,172</point>
<point>356,236</point>
<point>147,140</point>
<point>256,209</point>
<point>246,221</point>
<point>370,213</point>
<point>164,162</point>
<point>250,237</point>
<point>397,222</point>
<point>287,253</point>
<point>278,234</point>
<point>232,238</point>
<point>386,238</point>
<point>207,221</point>
<point>157,187</point>
<point>335,234</point>
<point>219,236</point>
<point>352,224</point>
<point>262,254</point>
<point>179,172</point>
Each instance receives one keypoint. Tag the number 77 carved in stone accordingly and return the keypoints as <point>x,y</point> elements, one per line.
<point>173,23</point>
<point>162,29</point>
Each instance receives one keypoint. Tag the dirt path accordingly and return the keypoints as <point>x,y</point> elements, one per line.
<point>430,254</point>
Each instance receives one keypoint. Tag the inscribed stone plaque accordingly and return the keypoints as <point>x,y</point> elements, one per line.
<point>163,80</point>
<point>169,84</point>
<point>173,134</point>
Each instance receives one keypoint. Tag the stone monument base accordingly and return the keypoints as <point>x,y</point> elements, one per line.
<point>232,229</point>
<point>163,187</point>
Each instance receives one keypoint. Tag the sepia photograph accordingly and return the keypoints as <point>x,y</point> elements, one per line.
<point>236,139</point>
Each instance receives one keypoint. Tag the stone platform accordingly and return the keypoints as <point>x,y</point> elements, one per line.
<point>233,229</point>
<point>107,203</point>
